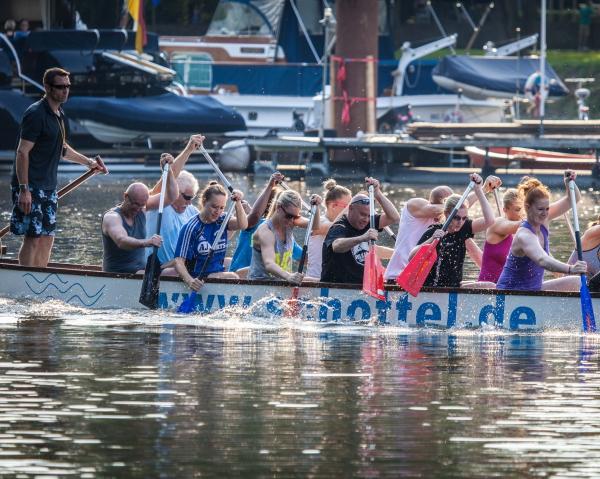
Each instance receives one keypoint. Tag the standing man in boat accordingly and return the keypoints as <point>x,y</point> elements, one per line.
<point>124,226</point>
<point>347,242</point>
<point>42,143</point>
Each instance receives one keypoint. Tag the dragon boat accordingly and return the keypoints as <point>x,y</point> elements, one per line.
<point>443,308</point>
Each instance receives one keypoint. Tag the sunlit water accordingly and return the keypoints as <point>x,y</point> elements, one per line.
<point>138,394</point>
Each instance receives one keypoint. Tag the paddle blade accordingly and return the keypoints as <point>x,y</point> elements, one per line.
<point>373,276</point>
<point>292,307</point>
<point>187,306</point>
<point>587,310</point>
<point>151,282</point>
<point>414,275</point>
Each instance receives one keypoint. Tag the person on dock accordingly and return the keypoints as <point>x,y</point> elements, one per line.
<point>273,242</point>
<point>419,214</point>
<point>42,143</point>
<point>499,236</point>
<point>180,211</point>
<point>337,199</point>
<point>447,271</point>
<point>529,254</point>
<point>124,226</point>
<point>347,242</point>
<point>197,237</point>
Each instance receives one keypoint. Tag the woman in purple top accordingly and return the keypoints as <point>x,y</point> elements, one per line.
<point>529,254</point>
<point>499,236</point>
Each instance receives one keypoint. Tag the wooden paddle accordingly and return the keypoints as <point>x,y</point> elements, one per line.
<point>292,306</point>
<point>418,268</point>
<point>65,190</point>
<point>188,305</point>
<point>373,269</point>
<point>151,281</point>
<point>587,309</point>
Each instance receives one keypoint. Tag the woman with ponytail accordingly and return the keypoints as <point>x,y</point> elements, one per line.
<point>197,236</point>
<point>499,236</point>
<point>337,198</point>
<point>529,254</point>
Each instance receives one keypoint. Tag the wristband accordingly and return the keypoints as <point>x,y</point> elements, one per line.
<point>23,186</point>
<point>569,270</point>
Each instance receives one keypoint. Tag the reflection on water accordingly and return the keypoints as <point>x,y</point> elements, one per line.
<point>132,394</point>
<point>82,396</point>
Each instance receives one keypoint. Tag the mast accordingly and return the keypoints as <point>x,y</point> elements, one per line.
<point>543,91</point>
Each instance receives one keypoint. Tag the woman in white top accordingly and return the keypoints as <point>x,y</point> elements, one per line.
<point>337,199</point>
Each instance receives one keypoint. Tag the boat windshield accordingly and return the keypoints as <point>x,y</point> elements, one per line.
<point>247,18</point>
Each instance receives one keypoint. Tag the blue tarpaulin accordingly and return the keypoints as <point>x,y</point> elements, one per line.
<point>503,74</point>
<point>161,113</point>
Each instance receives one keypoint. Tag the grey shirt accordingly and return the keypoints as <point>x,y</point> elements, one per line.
<point>117,260</point>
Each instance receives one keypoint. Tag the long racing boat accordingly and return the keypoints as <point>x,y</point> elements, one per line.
<point>443,308</point>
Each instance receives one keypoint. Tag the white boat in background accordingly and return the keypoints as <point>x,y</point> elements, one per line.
<point>87,286</point>
<point>262,59</point>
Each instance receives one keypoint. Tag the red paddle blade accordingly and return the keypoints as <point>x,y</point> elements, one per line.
<point>373,276</point>
<point>414,275</point>
<point>292,307</point>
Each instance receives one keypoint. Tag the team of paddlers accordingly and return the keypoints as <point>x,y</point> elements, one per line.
<point>192,244</point>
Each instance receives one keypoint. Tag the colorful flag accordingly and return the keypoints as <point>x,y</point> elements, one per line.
<point>136,10</point>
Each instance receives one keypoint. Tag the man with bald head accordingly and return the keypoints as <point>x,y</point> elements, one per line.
<point>347,242</point>
<point>416,216</point>
<point>124,226</point>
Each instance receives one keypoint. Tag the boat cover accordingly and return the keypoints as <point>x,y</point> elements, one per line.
<point>12,106</point>
<point>164,113</point>
<point>502,74</point>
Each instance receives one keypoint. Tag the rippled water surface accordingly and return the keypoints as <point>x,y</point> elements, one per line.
<point>136,394</point>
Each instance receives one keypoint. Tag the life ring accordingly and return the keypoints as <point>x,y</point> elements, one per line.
<point>532,87</point>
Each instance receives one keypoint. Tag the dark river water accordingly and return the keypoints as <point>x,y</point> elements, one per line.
<point>138,394</point>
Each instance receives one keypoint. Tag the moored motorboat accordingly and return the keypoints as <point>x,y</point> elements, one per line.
<point>516,157</point>
<point>87,286</point>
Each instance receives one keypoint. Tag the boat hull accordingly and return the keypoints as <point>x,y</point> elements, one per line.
<point>445,308</point>
<point>529,158</point>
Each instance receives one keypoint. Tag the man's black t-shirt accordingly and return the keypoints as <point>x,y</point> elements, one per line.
<point>43,128</point>
<point>345,267</point>
<point>448,268</point>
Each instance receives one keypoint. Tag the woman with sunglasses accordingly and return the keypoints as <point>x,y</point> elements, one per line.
<point>337,198</point>
<point>529,253</point>
<point>198,235</point>
<point>273,242</point>
<point>447,271</point>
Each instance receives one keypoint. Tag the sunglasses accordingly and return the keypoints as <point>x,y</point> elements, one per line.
<point>289,216</point>
<point>460,218</point>
<point>188,197</point>
<point>61,87</point>
<point>361,201</point>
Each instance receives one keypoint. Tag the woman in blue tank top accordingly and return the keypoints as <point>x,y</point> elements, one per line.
<point>197,236</point>
<point>529,254</point>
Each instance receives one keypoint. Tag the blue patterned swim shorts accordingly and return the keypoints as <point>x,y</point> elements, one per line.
<point>42,219</point>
